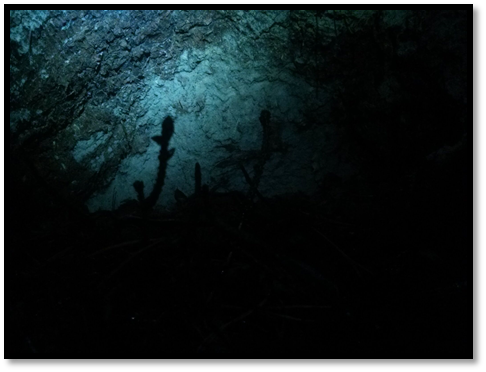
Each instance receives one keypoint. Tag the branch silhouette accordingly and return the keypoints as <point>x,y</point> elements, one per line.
<point>164,155</point>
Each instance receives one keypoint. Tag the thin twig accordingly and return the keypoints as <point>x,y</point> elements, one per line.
<point>124,244</point>
<point>353,263</point>
<point>138,253</point>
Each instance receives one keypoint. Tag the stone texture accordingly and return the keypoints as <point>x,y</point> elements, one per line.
<point>90,88</point>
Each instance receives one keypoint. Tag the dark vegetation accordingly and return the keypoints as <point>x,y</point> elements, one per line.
<point>241,274</point>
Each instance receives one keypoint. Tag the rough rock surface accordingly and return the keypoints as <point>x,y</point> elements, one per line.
<point>90,88</point>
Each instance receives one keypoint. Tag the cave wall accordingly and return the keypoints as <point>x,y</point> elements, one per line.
<point>349,92</point>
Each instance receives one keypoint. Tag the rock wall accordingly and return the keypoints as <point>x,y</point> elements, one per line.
<point>89,89</point>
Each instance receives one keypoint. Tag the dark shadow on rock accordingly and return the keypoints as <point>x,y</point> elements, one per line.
<point>182,198</point>
<point>264,155</point>
<point>164,155</point>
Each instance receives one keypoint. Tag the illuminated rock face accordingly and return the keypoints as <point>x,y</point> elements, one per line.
<point>215,104</point>
<point>91,88</point>
<point>212,80</point>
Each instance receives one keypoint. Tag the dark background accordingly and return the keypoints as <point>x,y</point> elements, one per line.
<point>377,265</point>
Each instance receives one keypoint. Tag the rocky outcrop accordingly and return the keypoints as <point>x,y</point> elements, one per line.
<point>346,90</point>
